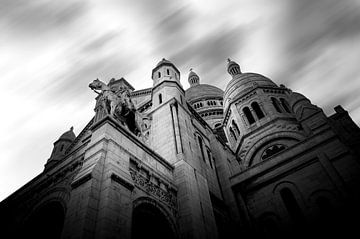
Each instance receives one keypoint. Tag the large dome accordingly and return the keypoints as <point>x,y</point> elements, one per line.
<point>203,91</point>
<point>241,83</point>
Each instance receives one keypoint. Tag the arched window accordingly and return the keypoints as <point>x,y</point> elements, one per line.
<point>159,74</point>
<point>248,115</point>
<point>39,224</point>
<point>160,98</point>
<point>257,110</point>
<point>209,157</point>
<point>291,205</point>
<point>217,125</point>
<point>201,148</point>
<point>275,102</point>
<point>236,128</point>
<point>285,105</point>
<point>272,150</point>
<point>61,148</point>
<point>167,71</point>
<point>232,133</point>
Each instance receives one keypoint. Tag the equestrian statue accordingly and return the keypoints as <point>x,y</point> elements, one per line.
<point>117,103</point>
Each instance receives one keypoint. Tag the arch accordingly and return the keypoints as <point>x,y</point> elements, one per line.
<point>256,107</point>
<point>232,133</point>
<point>218,124</point>
<point>291,204</point>
<point>272,150</point>
<point>276,104</point>
<point>236,128</point>
<point>285,105</point>
<point>288,193</point>
<point>151,220</point>
<point>292,136</point>
<point>250,118</point>
<point>45,221</point>
<point>200,141</point>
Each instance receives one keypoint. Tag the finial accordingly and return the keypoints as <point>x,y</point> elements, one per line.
<point>71,128</point>
<point>163,59</point>
<point>191,69</point>
<point>228,60</point>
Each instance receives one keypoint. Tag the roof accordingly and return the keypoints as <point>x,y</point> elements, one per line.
<point>164,62</point>
<point>242,83</point>
<point>68,135</point>
<point>203,91</point>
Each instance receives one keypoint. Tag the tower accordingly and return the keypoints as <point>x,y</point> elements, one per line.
<point>254,104</point>
<point>60,147</point>
<point>166,83</point>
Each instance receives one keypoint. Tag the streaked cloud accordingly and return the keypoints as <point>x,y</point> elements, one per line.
<point>51,50</point>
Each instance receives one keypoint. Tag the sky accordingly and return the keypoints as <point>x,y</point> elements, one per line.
<point>51,50</point>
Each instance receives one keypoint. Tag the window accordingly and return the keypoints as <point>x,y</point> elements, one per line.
<point>160,98</point>
<point>248,115</point>
<point>232,133</point>
<point>236,128</point>
<point>291,205</point>
<point>285,105</point>
<point>61,148</point>
<point>272,150</point>
<point>201,148</point>
<point>181,99</point>
<point>209,157</point>
<point>159,74</point>
<point>167,71</point>
<point>257,110</point>
<point>275,102</point>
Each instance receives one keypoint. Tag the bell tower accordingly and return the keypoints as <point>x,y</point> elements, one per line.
<point>166,83</point>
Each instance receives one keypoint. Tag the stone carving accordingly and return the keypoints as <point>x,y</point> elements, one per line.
<point>167,196</point>
<point>116,102</point>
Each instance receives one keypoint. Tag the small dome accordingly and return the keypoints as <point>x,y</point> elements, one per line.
<point>203,91</point>
<point>165,62</point>
<point>296,97</point>
<point>68,135</point>
<point>233,68</point>
<point>193,78</point>
<point>242,83</point>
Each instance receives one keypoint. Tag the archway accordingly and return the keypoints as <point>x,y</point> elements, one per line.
<point>150,222</point>
<point>45,222</point>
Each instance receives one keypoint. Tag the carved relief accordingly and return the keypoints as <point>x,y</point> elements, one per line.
<point>152,184</point>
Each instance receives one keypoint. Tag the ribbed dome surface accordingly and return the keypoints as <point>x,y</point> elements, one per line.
<point>203,91</point>
<point>243,82</point>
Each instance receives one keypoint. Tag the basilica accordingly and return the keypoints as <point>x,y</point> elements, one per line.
<point>253,160</point>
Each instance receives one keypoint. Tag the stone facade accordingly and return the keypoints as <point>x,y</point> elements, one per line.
<point>254,160</point>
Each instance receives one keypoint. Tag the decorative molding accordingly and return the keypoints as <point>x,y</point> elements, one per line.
<point>122,181</point>
<point>166,195</point>
<point>81,180</point>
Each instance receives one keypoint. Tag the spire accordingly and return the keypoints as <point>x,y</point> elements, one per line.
<point>233,68</point>
<point>193,78</point>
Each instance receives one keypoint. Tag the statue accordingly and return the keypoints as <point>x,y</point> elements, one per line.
<point>117,103</point>
<point>109,99</point>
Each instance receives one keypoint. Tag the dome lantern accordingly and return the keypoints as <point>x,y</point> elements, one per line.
<point>233,68</point>
<point>193,78</point>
